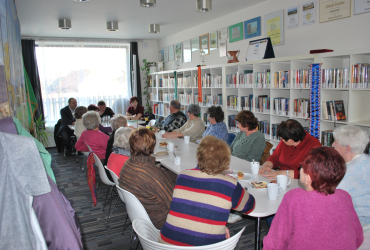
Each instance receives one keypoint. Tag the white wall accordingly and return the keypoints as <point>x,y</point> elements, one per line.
<point>340,35</point>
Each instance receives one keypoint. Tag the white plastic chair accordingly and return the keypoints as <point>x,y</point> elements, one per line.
<point>115,179</point>
<point>152,122</point>
<point>148,236</point>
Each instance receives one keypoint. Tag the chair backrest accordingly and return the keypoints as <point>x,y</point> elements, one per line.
<point>266,153</point>
<point>148,236</point>
<point>88,147</point>
<point>152,122</point>
<point>85,153</point>
<point>135,209</point>
<point>231,138</point>
<point>113,174</point>
<point>102,173</point>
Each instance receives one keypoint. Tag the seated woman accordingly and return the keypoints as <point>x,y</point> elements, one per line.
<point>104,110</point>
<point>135,111</point>
<point>202,199</point>
<point>350,142</point>
<point>79,127</point>
<point>106,130</point>
<point>118,121</point>
<point>194,127</point>
<point>218,127</point>
<point>293,147</point>
<point>319,216</point>
<point>92,136</point>
<point>121,150</point>
<point>249,143</point>
<point>149,183</point>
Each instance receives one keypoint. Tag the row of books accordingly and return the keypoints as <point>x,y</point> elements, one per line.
<point>161,109</point>
<point>152,82</point>
<point>282,79</point>
<point>262,104</point>
<point>168,97</point>
<point>249,79</point>
<point>281,106</point>
<point>333,110</point>
<point>231,123</point>
<point>246,102</point>
<point>360,76</point>
<point>185,98</point>
<point>301,78</point>
<point>335,78</point>
<point>302,108</point>
<point>153,97</point>
<point>232,102</point>
<point>327,138</point>
<point>167,82</point>
<point>187,82</point>
<point>264,127</point>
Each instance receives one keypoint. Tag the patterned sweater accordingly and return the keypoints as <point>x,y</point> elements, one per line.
<point>200,208</point>
<point>173,121</point>
<point>218,130</point>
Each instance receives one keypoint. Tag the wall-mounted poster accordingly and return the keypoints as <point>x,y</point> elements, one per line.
<point>362,6</point>
<point>187,50</point>
<point>213,40</point>
<point>178,51</point>
<point>195,44</point>
<point>236,32</point>
<point>204,43</point>
<point>308,13</point>
<point>332,10</point>
<point>171,53</point>
<point>223,47</point>
<point>222,34</point>
<point>252,28</point>
<point>161,55</point>
<point>165,54</point>
<point>292,17</point>
<point>274,27</point>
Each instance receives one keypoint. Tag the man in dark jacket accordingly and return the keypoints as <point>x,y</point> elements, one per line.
<point>67,119</point>
<point>175,120</point>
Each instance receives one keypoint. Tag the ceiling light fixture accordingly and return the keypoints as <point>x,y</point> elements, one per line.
<point>65,24</point>
<point>112,26</point>
<point>147,3</point>
<point>204,5</point>
<point>154,28</point>
<point>81,1</point>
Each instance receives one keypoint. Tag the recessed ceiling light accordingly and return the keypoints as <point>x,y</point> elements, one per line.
<point>147,3</point>
<point>204,5</point>
<point>112,26</point>
<point>65,24</point>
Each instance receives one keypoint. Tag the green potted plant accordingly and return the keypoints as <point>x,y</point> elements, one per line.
<point>146,70</point>
<point>41,134</point>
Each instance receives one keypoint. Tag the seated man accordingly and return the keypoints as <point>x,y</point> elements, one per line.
<point>67,114</point>
<point>350,142</point>
<point>104,110</point>
<point>194,127</point>
<point>175,120</point>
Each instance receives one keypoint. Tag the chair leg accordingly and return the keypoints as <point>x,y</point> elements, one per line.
<point>138,244</point>
<point>124,226</point>
<point>133,237</point>
<point>106,198</point>
<point>114,207</point>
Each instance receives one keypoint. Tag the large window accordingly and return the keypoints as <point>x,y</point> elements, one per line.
<point>89,74</point>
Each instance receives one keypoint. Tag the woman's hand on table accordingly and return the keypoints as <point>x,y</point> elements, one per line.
<point>272,174</point>
<point>267,166</point>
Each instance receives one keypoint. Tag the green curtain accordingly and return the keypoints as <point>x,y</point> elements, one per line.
<point>31,101</point>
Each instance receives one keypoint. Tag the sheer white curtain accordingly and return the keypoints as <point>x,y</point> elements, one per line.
<point>87,71</point>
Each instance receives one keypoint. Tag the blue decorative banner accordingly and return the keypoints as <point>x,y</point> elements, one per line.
<point>315,100</point>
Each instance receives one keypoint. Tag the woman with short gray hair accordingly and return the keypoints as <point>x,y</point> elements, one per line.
<point>194,127</point>
<point>121,150</point>
<point>350,141</point>
<point>118,121</point>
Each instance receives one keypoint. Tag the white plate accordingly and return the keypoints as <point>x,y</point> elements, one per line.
<point>259,188</point>
<point>165,147</point>
<point>247,177</point>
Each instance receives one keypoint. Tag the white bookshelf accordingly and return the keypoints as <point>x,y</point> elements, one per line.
<point>356,101</point>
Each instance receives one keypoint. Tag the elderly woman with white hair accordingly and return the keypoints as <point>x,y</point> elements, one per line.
<point>118,121</point>
<point>350,142</point>
<point>121,150</point>
<point>194,127</point>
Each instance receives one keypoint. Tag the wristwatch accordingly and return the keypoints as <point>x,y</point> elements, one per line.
<point>287,172</point>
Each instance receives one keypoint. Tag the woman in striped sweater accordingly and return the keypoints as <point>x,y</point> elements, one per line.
<point>203,197</point>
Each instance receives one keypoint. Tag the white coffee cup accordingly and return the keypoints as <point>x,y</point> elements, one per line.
<point>170,146</point>
<point>273,191</point>
<point>282,181</point>
<point>177,160</point>
<point>162,132</point>
<point>255,167</point>
<point>187,139</point>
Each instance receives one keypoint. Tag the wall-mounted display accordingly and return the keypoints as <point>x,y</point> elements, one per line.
<point>223,47</point>
<point>161,54</point>
<point>204,43</point>
<point>187,50</point>
<point>171,53</point>
<point>236,32</point>
<point>178,52</point>
<point>195,44</point>
<point>165,54</point>
<point>292,17</point>
<point>213,40</point>
<point>308,13</point>
<point>362,6</point>
<point>222,34</point>
<point>252,28</point>
<point>332,10</point>
<point>274,27</point>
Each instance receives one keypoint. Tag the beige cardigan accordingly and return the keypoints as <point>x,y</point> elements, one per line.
<point>193,128</point>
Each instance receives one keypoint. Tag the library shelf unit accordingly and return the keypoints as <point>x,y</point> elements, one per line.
<point>356,100</point>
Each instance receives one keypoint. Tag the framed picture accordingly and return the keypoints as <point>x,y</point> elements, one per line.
<point>291,15</point>
<point>161,55</point>
<point>178,52</point>
<point>195,44</point>
<point>187,50</point>
<point>213,40</point>
<point>252,28</point>
<point>204,43</point>
<point>222,34</point>
<point>274,27</point>
<point>223,47</point>
<point>171,53</point>
<point>331,10</point>
<point>236,32</point>
<point>361,6</point>
<point>165,54</point>
<point>308,13</point>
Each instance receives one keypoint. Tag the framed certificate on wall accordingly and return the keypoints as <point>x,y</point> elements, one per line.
<point>331,10</point>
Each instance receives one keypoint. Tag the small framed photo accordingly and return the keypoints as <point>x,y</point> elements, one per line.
<point>236,32</point>
<point>213,38</point>
<point>252,28</point>
<point>204,43</point>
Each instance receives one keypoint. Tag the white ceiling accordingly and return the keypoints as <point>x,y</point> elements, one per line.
<point>39,18</point>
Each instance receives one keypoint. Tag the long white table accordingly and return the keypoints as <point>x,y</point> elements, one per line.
<point>264,207</point>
